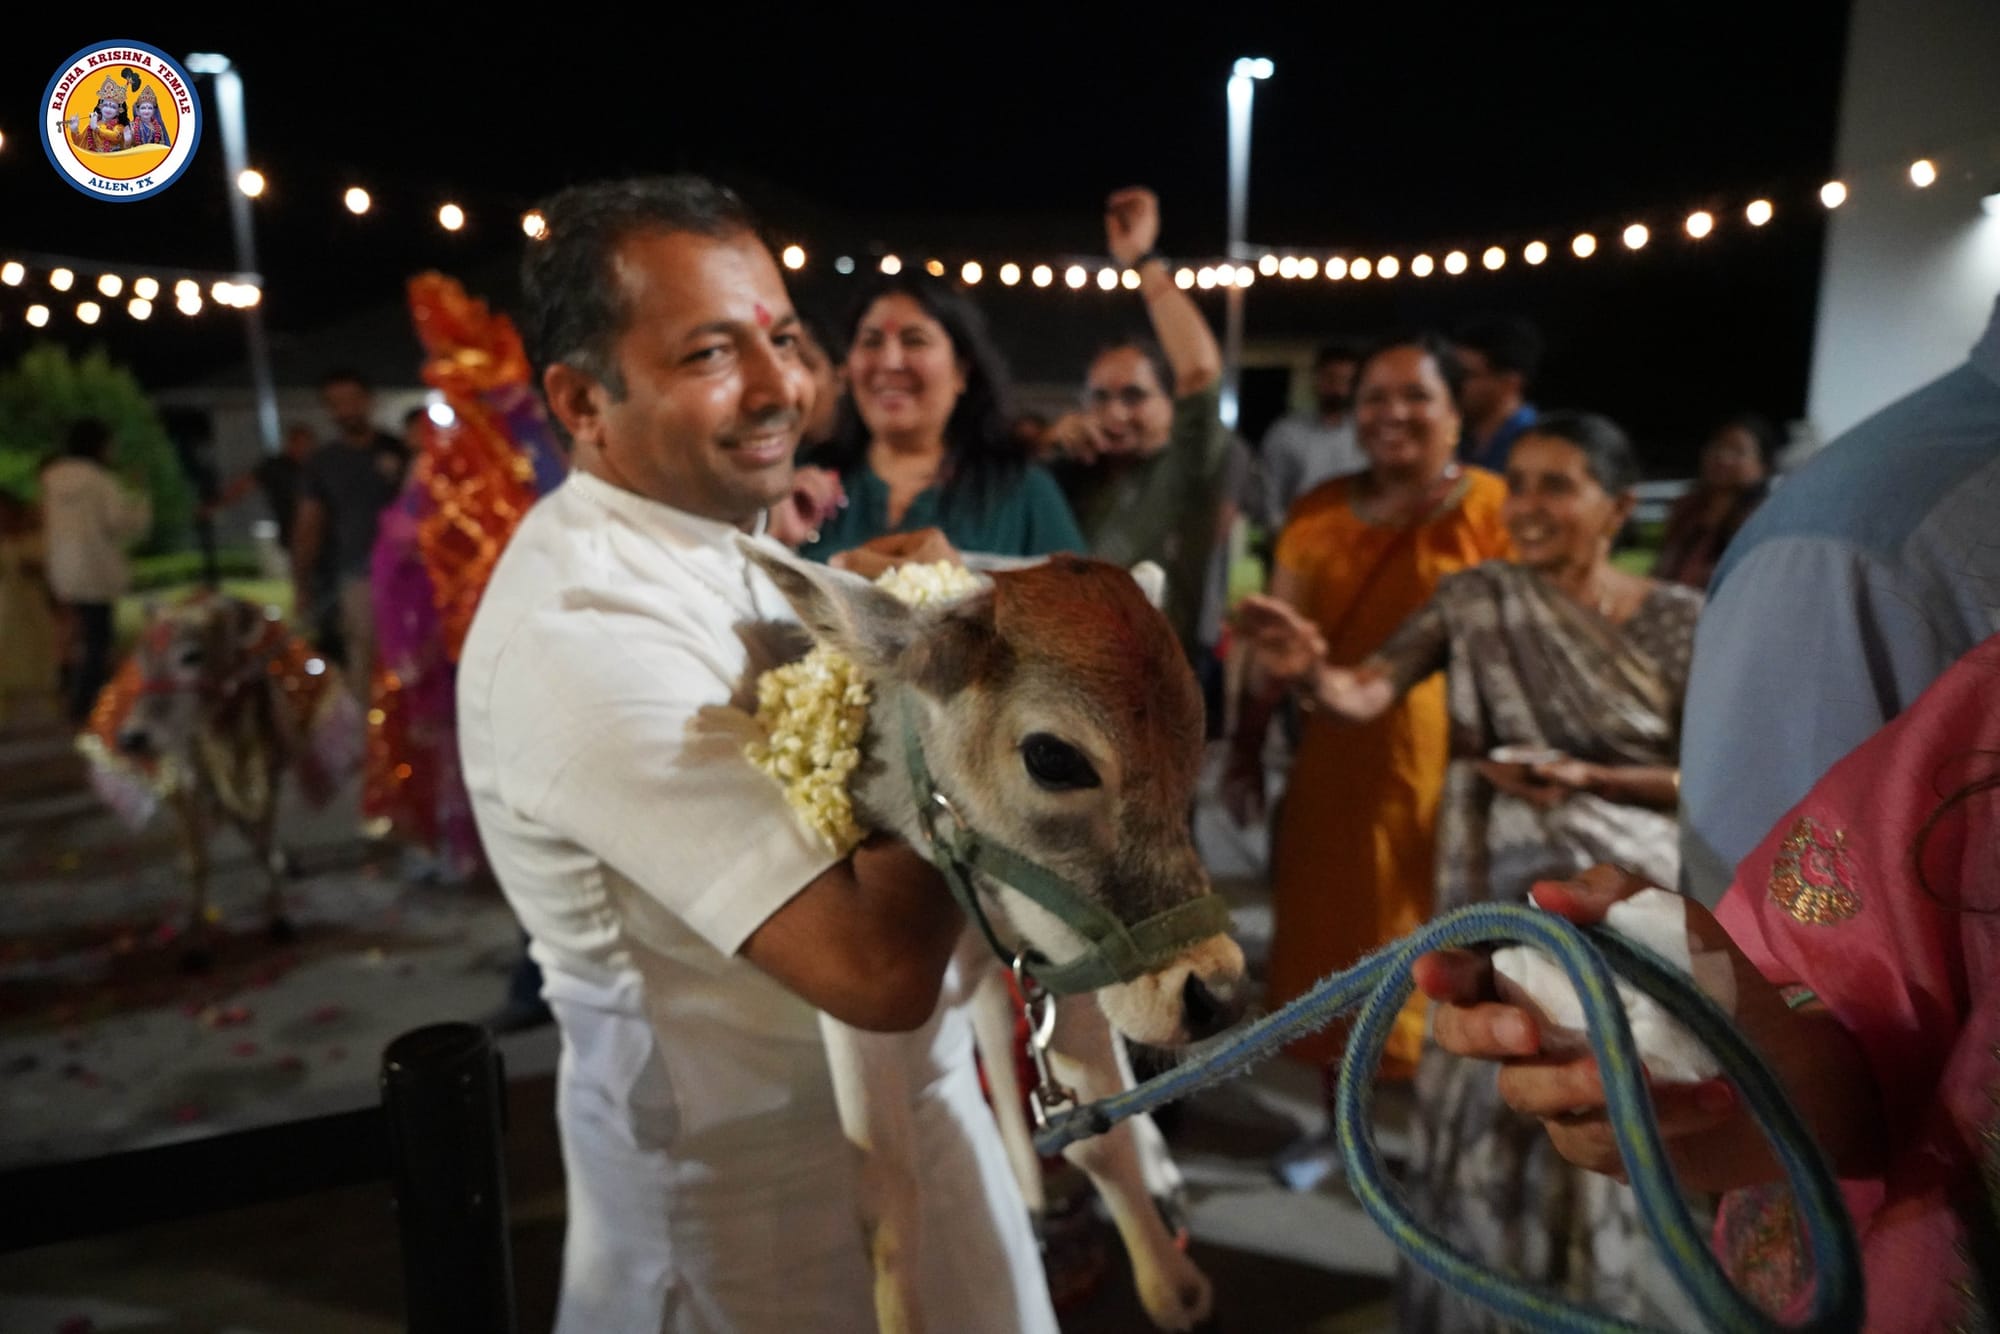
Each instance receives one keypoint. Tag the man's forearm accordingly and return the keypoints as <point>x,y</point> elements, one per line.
<point>1182,330</point>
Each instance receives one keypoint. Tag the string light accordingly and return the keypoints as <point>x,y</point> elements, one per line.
<point>146,288</point>
<point>451,217</point>
<point>250,181</point>
<point>533,225</point>
<point>88,311</point>
<point>845,264</point>
<point>12,272</point>
<point>1700,223</point>
<point>1758,213</point>
<point>1184,278</point>
<point>1534,252</point>
<point>1360,270</point>
<point>1010,273</point>
<point>891,265</point>
<point>1205,279</point>
<point>1075,276</point>
<point>110,284</point>
<point>60,279</point>
<point>139,307</point>
<point>1243,275</point>
<point>1636,236</point>
<point>1267,265</point>
<point>357,200</point>
<point>1336,269</point>
<point>1584,246</point>
<point>1493,258</point>
<point>934,267</point>
<point>1107,279</point>
<point>248,295</point>
<point>1422,266</point>
<point>794,256</point>
<point>1043,275</point>
<point>1288,267</point>
<point>1130,278</point>
<point>187,287</point>
<point>1923,173</point>
<point>38,316</point>
<point>189,302</point>
<point>1833,194</point>
<point>970,273</point>
<point>1308,267</point>
<point>1388,267</point>
<point>1455,263</point>
<point>223,293</point>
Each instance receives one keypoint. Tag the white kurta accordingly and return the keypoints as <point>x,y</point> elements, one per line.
<point>605,693</point>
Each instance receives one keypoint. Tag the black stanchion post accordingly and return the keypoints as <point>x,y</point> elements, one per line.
<point>442,1087</point>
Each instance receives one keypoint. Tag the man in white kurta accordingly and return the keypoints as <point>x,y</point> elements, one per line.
<point>605,697</point>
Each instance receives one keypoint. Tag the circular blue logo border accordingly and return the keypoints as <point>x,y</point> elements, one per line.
<point>187,80</point>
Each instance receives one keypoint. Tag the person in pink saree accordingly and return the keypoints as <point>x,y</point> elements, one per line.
<point>1865,931</point>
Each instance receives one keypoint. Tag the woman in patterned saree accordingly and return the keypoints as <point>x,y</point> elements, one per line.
<point>1563,685</point>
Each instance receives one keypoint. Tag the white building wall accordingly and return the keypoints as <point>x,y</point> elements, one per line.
<point>1909,276</point>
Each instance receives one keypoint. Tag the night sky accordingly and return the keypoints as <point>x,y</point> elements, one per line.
<point>997,135</point>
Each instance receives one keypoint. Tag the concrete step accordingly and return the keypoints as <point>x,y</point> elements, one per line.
<point>40,762</point>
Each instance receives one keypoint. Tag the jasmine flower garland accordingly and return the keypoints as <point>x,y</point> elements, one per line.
<point>815,710</point>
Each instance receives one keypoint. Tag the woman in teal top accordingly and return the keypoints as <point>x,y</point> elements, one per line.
<point>923,439</point>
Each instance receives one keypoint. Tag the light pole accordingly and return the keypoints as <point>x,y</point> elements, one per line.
<point>235,157</point>
<point>1242,83</point>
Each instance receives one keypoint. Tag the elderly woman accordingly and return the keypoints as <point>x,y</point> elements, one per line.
<point>1563,681</point>
<point>924,440</point>
<point>1352,841</point>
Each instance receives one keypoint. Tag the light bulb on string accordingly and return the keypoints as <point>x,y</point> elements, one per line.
<point>845,264</point>
<point>12,272</point>
<point>1493,258</point>
<point>145,288</point>
<point>1267,265</point>
<point>1758,212</point>
<point>1244,277</point>
<point>1075,276</point>
<point>970,272</point>
<point>1288,267</point>
<point>1130,280</point>
<point>1700,223</point>
<point>1360,270</point>
<point>1043,275</point>
<point>1455,263</point>
<point>61,279</point>
<point>1923,173</point>
<point>1422,266</point>
<point>88,311</point>
<point>1336,269</point>
<point>1584,246</point>
<point>1205,278</point>
<point>1534,252</point>
<point>1833,194</point>
<point>1388,267</point>
<point>1636,236</point>
<point>1010,273</point>
<point>110,284</point>
<point>891,264</point>
<point>139,308</point>
<point>794,256</point>
<point>1308,267</point>
<point>451,217</point>
<point>1184,278</point>
<point>250,181</point>
<point>934,267</point>
<point>37,316</point>
<point>357,200</point>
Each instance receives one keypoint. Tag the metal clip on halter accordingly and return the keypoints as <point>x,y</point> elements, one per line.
<point>1050,1095</point>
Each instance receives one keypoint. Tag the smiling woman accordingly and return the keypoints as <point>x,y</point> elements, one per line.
<point>924,438</point>
<point>1559,652</point>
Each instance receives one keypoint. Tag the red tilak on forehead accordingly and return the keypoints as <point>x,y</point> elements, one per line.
<point>763,315</point>
<point>892,327</point>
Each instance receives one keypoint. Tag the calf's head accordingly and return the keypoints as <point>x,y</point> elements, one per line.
<point>1057,713</point>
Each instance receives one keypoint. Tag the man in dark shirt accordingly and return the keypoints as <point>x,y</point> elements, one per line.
<point>343,488</point>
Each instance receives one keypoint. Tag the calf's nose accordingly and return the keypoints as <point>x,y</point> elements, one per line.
<point>134,741</point>
<point>1207,1010</point>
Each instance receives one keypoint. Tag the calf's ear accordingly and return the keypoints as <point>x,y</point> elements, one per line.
<point>841,610</point>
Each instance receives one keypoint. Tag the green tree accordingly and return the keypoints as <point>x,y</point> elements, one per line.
<point>48,389</point>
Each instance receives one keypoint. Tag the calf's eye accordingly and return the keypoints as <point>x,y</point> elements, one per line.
<point>1056,765</point>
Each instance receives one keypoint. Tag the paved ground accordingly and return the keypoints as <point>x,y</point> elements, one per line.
<point>105,1044</point>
